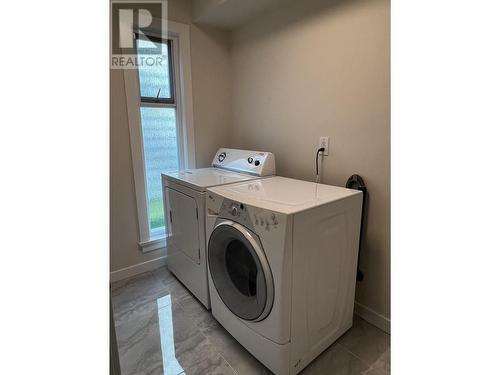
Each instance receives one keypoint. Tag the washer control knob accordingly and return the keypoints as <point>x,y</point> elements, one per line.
<point>234,210</point>
<point>273,218</point>
<point>222,156</point>
<point>250,160</point>
<point>257,163</point>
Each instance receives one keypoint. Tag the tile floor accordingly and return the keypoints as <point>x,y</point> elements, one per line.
<point>162,329</point>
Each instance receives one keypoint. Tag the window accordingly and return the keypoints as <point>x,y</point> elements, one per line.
<point>159,106</point>
<point>158,125</point>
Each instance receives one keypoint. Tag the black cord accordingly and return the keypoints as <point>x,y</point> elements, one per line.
<point>317,155</point>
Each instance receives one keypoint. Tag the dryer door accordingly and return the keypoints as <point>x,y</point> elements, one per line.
<point>183,225</point>
<point>240,271</point>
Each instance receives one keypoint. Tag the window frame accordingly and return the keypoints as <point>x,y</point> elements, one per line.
<point>178,34</point>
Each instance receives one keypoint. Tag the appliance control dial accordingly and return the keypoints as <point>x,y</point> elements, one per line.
<point>234,210</point>
<point>250,160</point>
<point>257,163</point>
<point>222,156</point>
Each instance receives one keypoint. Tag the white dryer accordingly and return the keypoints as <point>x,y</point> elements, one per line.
<point>184,209</point>
<point>282,256</point>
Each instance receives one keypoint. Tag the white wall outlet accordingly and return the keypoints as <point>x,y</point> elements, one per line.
<point>324,142</point>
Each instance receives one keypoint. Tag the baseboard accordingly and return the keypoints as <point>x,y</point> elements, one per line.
<point>372,317</point>
<point>137,269</point>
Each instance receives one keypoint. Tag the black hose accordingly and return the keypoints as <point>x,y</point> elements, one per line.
<point>356,182</point>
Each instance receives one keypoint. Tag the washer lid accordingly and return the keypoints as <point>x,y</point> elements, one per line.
<point>285,195</point>
<point>202,178</point>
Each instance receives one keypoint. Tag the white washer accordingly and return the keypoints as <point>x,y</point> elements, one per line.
<point>282,256</point>
<point>184,208</point>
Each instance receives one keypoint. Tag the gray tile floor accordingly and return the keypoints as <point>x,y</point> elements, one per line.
<point>162,329</point>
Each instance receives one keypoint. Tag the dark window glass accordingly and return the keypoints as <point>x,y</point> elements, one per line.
<point>241,268</point>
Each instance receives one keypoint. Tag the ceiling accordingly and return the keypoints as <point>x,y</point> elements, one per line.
<point>228,14</point>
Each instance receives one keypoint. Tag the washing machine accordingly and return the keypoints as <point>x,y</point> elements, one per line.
<point>282,257</point>
<point>184,209</point>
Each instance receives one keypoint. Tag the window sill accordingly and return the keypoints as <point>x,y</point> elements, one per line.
<point>154,243</point>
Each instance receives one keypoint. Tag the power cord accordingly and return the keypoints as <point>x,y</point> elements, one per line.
<point>321,149</point>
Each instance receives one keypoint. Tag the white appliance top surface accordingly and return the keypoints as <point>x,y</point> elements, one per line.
<point>281,194</point>
<point>202,178</point>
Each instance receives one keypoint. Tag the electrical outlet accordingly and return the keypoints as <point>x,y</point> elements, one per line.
<point>324,142</point>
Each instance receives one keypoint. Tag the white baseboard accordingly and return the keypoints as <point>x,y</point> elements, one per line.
<point>372,317</point>
<point>137,269</point>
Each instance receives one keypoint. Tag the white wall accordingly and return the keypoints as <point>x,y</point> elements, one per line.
<point>313,68</point>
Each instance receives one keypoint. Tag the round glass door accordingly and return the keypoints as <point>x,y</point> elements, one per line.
<point>240,271</point>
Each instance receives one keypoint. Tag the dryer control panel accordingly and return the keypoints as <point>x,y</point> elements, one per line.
<point>258,163</point>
